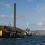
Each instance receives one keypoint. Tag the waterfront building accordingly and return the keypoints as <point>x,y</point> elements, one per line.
<point>0,33</point>
<point>5,33</point>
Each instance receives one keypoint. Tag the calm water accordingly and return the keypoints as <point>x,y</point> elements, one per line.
<point>34,40</point>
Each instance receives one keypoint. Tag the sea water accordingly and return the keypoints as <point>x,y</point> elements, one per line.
<point>33,40</point>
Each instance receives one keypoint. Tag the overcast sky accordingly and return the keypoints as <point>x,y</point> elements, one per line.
<point>28,12</point>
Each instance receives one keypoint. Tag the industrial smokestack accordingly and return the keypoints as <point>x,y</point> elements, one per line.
<point>15,16</point>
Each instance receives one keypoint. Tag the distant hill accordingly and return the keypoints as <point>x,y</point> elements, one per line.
<point>38,32</point>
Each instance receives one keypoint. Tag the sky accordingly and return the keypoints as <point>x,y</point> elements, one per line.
<point>29,13</point>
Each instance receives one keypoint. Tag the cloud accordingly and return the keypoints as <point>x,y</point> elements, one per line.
<point>39,20</point>
<point>7,5</point>
<point>20,17</point>
<point>12,17</point>
<point>5,16</point>
<point>40,25</point>
<point>40,12</point>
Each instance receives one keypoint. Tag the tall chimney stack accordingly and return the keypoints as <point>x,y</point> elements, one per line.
<point>15,16</point>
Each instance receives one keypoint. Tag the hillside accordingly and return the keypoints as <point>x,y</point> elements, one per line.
<point>38,32</point>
